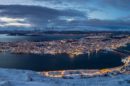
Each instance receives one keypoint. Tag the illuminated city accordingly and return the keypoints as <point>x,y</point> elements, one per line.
<point>64,43</point>
<point>85,45</point>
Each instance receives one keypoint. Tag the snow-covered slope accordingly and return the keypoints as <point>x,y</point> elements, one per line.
<point>12,77</point>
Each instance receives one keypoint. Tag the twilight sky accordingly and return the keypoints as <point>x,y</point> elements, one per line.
<point>66,14</point>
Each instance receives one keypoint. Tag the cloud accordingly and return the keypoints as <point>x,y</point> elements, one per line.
<point>114,3</point>
<point>17,22</point>
<point>117,4</point>
<point>44,17</point>
<point>63,4</point>
<point>7,19</point>
<point>35,15</point>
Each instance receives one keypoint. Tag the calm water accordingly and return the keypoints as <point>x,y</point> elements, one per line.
<point>57,62</point>
<point>11,38</point>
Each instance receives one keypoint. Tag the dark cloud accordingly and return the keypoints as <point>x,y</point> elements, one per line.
<point>72,13</point>
<point>61,1</point>
<point>28,11</point>
<point>117,4</point>
<point>99,23</point>
<point>48,17</point>
<point>37,15</point>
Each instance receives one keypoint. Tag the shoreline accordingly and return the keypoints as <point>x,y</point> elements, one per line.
<point>88,72</point>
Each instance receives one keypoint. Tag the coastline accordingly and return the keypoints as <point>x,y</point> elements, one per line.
<point>13,77</point>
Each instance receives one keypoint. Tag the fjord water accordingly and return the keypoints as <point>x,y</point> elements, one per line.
<point>102,59</point>
<point>14,38</point>
<point>59,62</point>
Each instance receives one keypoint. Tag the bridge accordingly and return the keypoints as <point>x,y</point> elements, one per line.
<point>122,53</point>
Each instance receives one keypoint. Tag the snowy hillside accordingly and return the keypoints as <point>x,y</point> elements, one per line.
<point>12,77</point>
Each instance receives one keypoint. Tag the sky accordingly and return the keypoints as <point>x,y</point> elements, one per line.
<point>65,14</point>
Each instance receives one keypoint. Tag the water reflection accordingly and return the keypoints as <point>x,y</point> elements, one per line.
<point>13,38</point>
<point>59,62</point>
